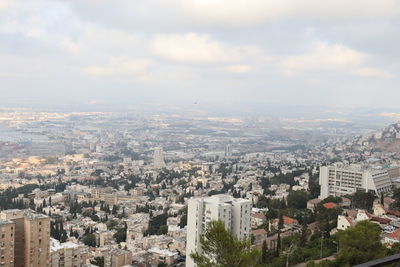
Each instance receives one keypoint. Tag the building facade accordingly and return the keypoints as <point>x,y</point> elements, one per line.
<point>31,237</point>
<point>7,233</point>
<point>340,180</point>
<point>117,258</point>
<point>158,158</point>
<point>234,213</point>
<point>67,254</point>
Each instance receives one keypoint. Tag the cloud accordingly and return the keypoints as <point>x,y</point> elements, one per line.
<point>5,4</point>
<point>373,72</point>
<point>239,69</point>
<point>243,13</point>
<point>199,48</point>
<point>92,38</point>
<point>324,56</point>
<point>119,67</point>
<point>331,57</point>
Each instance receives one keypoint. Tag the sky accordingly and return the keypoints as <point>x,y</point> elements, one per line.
<point>332,53</point>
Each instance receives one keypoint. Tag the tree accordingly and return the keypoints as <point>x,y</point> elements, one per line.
<point>98,261</point>
<point>360,244</point>
<point>278,243</point>
<point>120,235</point>
<point>156,223</point>
<point>264,252</point>
<point>363,200</point>
<point>183,221</point>
<point>220,248</point>
<point>90,240</point>
<point>297,199</point>
<point>326,218</point>
<point>280,221</point>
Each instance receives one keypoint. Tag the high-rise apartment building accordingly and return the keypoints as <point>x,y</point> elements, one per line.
<point>235,213</point>
<point>158,158</point>
<point>31,237</point>
<point>7,233</point>
<point>340,180</point>
<point>228,150</point>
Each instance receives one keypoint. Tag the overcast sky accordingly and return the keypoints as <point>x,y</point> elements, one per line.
<point>335,52</point>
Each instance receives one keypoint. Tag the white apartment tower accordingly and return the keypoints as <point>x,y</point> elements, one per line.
<point>234,212</point>
<point>340,180</point>
<point>158,158</point>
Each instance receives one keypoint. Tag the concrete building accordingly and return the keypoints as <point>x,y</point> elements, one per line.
<point>158,158</point>
<point>340,180</point>
<point>163,256</point>
<point>67,254</point>
<point>31,238</point>
<point>117,258</point>
<point>228,150</point>
<point>235,213</point>
<point>7,233</point>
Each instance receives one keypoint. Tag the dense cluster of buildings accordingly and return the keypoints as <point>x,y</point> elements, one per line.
<point>141,190</point>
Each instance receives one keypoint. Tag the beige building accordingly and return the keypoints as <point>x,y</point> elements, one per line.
<point>32,237</point>
<point>7,233</point>
<point>117,258</point>
<point>67,254</point>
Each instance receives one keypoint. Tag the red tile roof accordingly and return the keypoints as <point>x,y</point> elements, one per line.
<point>393,212</point>
<point>289,221</point>
<point>380,220</point>
<point>352,213</point>
<point>330,205</point>
<point>349,220</point>
<point>395,235</point>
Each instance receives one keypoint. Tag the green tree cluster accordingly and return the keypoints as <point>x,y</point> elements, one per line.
<point>220,248</point>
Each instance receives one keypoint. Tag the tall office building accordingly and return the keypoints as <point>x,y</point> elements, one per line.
<point>340,180</point>
<point>158,158</point>
<point>235,213</point>
<point>31,237</point>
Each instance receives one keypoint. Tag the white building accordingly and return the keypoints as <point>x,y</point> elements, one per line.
<point>67,254</point>
<point>228,150</point>
<point>344,222</point>
<point>235,213</point>
<point>158,158</point>
<point>340,180</point>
